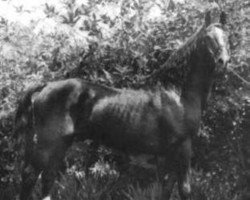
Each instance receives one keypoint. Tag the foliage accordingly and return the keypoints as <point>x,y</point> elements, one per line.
<point>84,40</point>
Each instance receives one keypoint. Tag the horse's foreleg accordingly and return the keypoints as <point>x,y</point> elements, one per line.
<point>48,178</point>
<point>168,185</point>
<point>29,178</point>
<point>185,185</point>
<point>184,174</point>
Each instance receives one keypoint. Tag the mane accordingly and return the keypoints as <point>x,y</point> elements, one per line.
<point>182,54</point>
<point>180,57</point>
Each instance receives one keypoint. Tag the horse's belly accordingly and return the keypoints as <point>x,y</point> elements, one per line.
<point>128,135</point>
<point>132,123</point>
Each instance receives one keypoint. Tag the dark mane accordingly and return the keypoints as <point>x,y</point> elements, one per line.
<point>180,57</point>
<point>182,54</point>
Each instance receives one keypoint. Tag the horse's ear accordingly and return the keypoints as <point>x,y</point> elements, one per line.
<point>223,18</point>
<point>208,18</point>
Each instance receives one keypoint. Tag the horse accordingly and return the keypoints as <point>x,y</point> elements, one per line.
<point>158,122</point>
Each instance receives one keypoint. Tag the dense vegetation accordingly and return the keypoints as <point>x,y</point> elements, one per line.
<point>119,50</point>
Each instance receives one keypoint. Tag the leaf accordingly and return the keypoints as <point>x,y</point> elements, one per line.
<point>108,76</point>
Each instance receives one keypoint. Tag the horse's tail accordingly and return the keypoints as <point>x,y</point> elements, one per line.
<point>23,123</point>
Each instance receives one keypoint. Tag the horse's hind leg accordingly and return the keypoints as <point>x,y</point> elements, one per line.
<point>55,164</point>
<point>91,157</point>
<point>29,178</point>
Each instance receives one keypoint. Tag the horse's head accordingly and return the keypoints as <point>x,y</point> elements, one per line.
<point>216,40</point>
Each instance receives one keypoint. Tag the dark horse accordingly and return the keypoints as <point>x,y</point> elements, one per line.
<point>157,122</point>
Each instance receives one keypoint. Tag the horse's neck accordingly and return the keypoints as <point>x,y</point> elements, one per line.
<point>198,83</point>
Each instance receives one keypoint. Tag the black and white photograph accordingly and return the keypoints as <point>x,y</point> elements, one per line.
<point>124,100</point>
